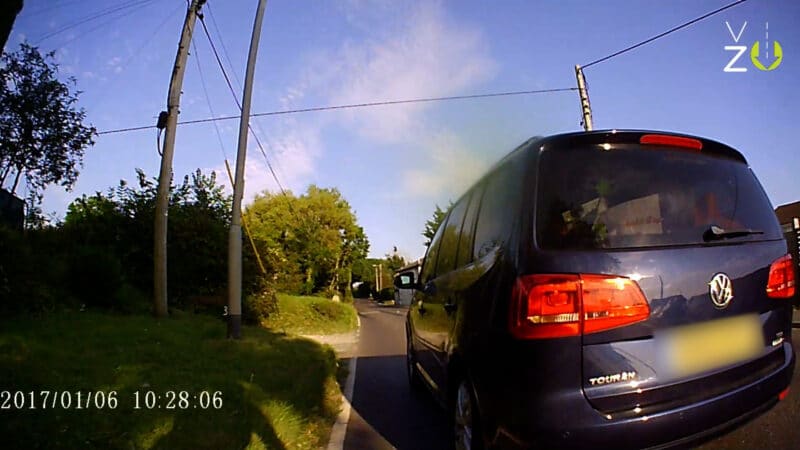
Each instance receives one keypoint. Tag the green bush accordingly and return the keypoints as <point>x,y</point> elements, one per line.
<point>363,290</point>
<point>260,306</point>
<point>348,296</point>
<point>14,257</point>
<point>94,277</point>
<point>132,300</point>
<point>30,274</point>
<point>386,294</point>
<point>328,310</point>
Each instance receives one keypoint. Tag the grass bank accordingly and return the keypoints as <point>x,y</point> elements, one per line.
<point>277,392</point>
<point>312,315</point>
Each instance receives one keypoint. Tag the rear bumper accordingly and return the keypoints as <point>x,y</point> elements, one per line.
<point>581,426</point>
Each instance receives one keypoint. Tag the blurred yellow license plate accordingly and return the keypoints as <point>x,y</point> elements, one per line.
<point>706,346</point>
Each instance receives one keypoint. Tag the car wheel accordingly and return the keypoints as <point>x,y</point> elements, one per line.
<point>466,421</point>
<point>414,380</point>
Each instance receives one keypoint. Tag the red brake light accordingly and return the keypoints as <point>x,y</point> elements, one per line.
<point>671,141</point>
<point>610,302</point>
<point>549,306</point>
<point>545,306</point>
<point>781,282</point>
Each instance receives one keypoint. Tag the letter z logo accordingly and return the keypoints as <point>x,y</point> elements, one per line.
<point>737,48</point>
<point>740,49</point>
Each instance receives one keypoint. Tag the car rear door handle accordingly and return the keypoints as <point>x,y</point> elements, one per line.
<point>450,306</point>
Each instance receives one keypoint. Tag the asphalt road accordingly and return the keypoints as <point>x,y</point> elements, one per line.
<point>385,414</point>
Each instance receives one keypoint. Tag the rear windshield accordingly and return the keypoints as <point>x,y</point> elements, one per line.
<point>642,197</point>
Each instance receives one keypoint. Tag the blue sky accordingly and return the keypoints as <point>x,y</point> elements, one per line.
<point>395,163</point>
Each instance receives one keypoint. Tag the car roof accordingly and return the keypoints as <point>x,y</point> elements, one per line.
<point>583,139</point>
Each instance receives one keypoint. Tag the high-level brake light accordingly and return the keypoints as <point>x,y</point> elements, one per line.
<point>559,305</point>
<point>671,141</point>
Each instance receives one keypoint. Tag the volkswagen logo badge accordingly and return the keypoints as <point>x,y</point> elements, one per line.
<point>721,290</point>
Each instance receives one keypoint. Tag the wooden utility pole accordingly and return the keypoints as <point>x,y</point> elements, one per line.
<point>377,280</point>
<point>235,234</point>
<point>165,175</point>
<point>586,107</point>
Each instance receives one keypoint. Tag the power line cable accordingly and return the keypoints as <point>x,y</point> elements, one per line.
<point>102,24</point>
<point>224,154</point>
<point>138,50</point>
<point>238,85</point>
<point>239,105</point>
<point>49,8</point>
<point>351,106</point>
<point>222,43</point>
<point>208,101</point>
<point>671,30</point>
<point>94,16</point>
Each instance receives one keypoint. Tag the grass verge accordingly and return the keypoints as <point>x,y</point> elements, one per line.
<point>312,315</point>
<point>278,392</point>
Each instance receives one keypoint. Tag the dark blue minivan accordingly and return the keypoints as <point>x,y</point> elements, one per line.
<point>610,289</point>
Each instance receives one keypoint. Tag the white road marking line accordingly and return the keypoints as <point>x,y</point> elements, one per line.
<point>339,430</point>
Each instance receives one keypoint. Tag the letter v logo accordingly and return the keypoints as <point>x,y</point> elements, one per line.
<point>736,37</point>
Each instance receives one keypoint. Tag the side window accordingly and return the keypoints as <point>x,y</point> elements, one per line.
<point>499,208</point>
<point>429,266</point>
<point>468,229</point>
<point>449,247</point>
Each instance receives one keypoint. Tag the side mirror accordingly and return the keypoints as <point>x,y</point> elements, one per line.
<point>405,281</point>
<point>429,288</point>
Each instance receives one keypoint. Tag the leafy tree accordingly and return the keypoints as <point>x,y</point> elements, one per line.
<point>102,254</point>
<point>120,222</point>
<point>432,224</point>
<point>364,271</point>
<point>394,262</point>
<point>42,134</point>
<point>309,242</point>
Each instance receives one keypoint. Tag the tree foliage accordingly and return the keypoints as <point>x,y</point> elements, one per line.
<point>42,134</point>
<point>120,222</point>
<point>394,262</point>
<point>101,255</point>
<point>309,242</point>
<point>365,273</point>
<point>432,224</point>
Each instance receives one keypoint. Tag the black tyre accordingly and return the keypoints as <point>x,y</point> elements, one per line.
<point>414,380</point>
<point>466,419</point>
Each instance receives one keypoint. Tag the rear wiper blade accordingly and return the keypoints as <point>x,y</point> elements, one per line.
<point>715,233</point>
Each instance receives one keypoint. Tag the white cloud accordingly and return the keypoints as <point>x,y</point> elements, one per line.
<point>292,95</point>
<point>292,157</point>
<point>449,170</point>
<point>115,64</point>
<point>426,56</point>
<point>417,53</point>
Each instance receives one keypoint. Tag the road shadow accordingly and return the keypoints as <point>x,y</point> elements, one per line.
<point>385,403</point>
<point>288,385</point>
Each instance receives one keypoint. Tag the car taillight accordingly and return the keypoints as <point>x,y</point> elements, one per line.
<point>556,305</point>
<point>781,283</point>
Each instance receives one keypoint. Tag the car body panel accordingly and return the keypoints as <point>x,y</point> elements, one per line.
<point>610,388</point>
